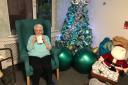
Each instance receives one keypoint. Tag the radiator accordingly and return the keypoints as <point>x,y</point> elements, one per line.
<point>13,45</point>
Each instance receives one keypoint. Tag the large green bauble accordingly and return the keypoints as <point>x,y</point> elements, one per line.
<point>65,59</point>
<point>83,60</point>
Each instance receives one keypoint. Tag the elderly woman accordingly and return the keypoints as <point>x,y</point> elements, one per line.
<point>39,55</point>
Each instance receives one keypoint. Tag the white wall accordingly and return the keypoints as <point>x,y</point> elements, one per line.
<point>62,9</point>
<point>107,20</point>
<point>4,19</point>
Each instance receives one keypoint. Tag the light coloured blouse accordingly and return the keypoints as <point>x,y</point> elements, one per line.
<point>38,50</point>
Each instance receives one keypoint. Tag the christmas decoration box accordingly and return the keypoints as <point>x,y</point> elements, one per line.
<point>103,73</point>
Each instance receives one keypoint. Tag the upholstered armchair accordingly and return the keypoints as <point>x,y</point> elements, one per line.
<point>24,29</point>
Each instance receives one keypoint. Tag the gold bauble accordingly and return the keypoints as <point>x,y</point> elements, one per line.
<point>95,49</point>
<point>71,47</point>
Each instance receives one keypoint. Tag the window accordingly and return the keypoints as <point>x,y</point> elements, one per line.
<point>22,9</point>
<point>19,9</point>
<point>44,8</point>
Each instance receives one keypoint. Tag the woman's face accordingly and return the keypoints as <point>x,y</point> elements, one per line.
<point>38,30</point>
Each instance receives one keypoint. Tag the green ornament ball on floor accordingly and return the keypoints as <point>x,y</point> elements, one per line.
<point>65,59</point>
<point>83,60</point>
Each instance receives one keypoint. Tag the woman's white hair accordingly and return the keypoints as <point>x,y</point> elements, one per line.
<point>38,25</point>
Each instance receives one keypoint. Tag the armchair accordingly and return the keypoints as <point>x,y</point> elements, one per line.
<point>24,29</point>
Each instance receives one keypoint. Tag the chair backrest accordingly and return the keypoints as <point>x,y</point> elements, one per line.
<point>25,28</point>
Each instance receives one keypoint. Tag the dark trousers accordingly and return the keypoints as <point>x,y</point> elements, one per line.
<point>41,67</point>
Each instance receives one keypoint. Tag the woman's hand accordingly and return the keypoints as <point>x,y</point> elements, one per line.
<point>43,38</point>
<point>34,39</point>
<point>48,46</point>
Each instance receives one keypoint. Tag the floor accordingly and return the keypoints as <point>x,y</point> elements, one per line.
<point>68,77</point>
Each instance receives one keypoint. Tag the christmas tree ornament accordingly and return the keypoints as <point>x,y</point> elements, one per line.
<point>75,1</point>
<point>83,60</point>
<point>95,49</point>
<point>65,59</point>
<point>71,47</point>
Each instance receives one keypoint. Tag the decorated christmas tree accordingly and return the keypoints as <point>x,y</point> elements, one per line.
<point>75,33</point>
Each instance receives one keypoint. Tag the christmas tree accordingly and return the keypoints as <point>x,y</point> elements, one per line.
<point>75,33</point>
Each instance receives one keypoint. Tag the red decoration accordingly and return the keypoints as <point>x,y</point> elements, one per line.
<point>126,25</point>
